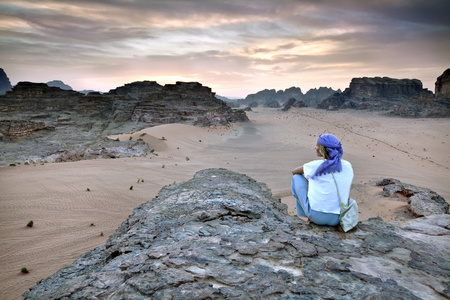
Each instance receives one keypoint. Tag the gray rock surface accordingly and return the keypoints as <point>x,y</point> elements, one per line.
<point>38,122</point>
<point>221,235</point>
<point>421,201</point>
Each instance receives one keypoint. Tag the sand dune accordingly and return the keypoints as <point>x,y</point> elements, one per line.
<point>70,220</point>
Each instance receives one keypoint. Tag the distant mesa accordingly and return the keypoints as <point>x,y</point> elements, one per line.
<point>5,84</point>
<point>276,99</point>
<point>60,84</point>
<point>400,97</point>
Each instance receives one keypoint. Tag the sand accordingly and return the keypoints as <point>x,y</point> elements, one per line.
<point>70,220</point>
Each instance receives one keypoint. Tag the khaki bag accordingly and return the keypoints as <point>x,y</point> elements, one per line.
<point>348,217</point>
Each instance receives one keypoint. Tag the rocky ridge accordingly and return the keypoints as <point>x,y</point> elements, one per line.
<point>221,235</point>
<point>58,125</point>
<point>275,99</point>
<point>400,97</point>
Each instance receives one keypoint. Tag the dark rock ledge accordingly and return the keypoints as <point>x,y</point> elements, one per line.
<point>221,235</point>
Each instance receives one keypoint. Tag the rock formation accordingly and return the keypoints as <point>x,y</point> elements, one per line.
<point>60,84</point>
<point>313,97</point>
<point>221,235</point>
<point>293,103</point>
<point>268,97</point>
<point>38,122</point>
<point>442,85</point>
<point>401,97</point>
<point>5,84</point>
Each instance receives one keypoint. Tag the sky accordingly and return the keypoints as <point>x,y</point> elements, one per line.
<point>235,47</point>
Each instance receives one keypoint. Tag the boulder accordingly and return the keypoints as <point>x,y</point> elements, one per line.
<point>222,235</point>
<point>421,201</point>
<point>293,103</point>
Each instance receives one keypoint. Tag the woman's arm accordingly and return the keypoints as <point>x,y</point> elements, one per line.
<point>298,170</point>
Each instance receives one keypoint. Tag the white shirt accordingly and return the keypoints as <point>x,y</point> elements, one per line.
<point>322,193</point>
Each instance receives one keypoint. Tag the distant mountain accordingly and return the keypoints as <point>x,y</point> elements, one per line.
<point>313,97</point>
<point>5,84</point>
<point>400,97</point>
<point>268,97</point>
<point>60,84</point>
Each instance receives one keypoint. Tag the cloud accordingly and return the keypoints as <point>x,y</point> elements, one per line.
<point>232,46</point>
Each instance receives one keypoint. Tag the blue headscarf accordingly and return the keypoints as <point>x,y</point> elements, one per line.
<point>334,147</point>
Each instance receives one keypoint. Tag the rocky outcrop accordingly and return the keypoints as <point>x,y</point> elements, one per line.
<point>40,121</point>
<point>383,88</point>
<point>268,97</point>
<point>221,235</point>
<point>442,85</point>
<point>400,97</point>
<point>60,84</point>
<point>421,201</point>
<point>5,84</point>
<point>293,103</point>
<point>314,97</point>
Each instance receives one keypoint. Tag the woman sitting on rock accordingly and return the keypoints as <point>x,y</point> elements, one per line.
<point>315,189</point>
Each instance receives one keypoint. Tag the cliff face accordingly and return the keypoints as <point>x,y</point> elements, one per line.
<point>385,88</point>
<point>221,235</point>
<point>442,85</point>
<point>268,97</point>
<point>48,120</point>
<point>402,97</point>
<point>5,84</point>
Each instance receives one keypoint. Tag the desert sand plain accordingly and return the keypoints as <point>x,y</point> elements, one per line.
<point>69,220</point>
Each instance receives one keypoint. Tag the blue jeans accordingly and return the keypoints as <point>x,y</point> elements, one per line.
<point>300,191</point>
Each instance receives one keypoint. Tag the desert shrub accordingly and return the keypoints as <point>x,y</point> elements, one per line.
<point>163,139</point>
<point>117,140</point>
<point>30,224</point>
<point>24,270</point>
<point>143,134</point>
<point>92,224</point>
<point>12,165</point>
<point>88,189</point>
<point>130,138</point>
<point>140,140</point>
<point>131,188</point>
<point>187,158</point>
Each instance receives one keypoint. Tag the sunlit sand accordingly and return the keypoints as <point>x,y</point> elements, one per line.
<point>75,206</point>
